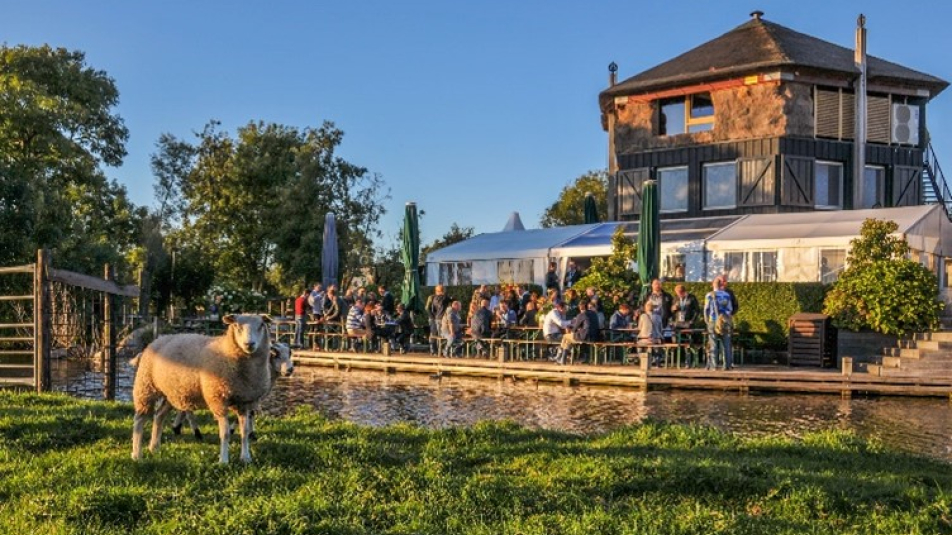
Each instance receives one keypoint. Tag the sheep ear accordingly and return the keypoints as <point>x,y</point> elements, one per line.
<point>228,319</point>
<point>266,318</point>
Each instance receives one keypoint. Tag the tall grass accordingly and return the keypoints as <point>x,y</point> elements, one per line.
<point>65,469</point>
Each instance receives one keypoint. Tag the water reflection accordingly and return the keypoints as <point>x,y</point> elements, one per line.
<point>376,398</point>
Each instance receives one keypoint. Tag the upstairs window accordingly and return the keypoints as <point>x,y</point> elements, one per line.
<point>673,189</point>
<point>720,185</point>
<point>829,185</point>
<point>694,113</point>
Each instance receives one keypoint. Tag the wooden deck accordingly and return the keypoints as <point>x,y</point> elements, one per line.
<point>742,379</point>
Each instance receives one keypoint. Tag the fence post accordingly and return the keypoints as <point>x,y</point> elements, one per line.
<point>109,338</point>
<point>42,323</point>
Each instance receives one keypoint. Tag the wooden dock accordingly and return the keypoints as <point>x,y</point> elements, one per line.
<point>750,378</point>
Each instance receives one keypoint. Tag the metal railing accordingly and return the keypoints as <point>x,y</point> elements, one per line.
<point>938,191</point>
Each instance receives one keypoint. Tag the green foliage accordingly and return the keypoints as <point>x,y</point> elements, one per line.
<point>765,307</point>
<point>255,204</point>
<point>612,276</point>
<point>67,470</point>
<point>58,130</point>
<point>569,208</point>
<point>880,289</point>
<point>456,234</point>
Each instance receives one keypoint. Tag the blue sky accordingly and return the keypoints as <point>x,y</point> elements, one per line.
<point>471,109</point>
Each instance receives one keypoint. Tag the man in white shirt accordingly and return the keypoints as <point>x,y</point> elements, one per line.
<point>552,327</point>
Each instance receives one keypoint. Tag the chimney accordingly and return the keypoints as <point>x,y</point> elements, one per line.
<point>756,14</point>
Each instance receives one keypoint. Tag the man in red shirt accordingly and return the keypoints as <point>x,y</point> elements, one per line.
<point>300,317</point>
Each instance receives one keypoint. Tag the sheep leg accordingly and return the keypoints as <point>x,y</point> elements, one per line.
<point>190,416</point>
<point>138,423</point>
<point>245,427</point>
<point>177,422</point>
<point>157,421</point>
<point>251,426</point>
<point>223,435</point>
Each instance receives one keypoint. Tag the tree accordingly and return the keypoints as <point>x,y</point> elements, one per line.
<point>612,277</point>
<point>456,234</point>
<point>569,208</point>
<point>881,289</point>
<point>255,204</point>
<point>57,131</point>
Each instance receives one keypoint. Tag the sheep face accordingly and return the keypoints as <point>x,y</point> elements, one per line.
<point>248,331</point>
<point>281,361</point>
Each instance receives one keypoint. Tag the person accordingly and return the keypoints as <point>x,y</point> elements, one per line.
<point>686,308</point>
<point>480,326</point>
<point>584,330</point>
<point>524,298</point>
<point>718,314</point>
<point>552,326</point>
<point>679,272</point>
<point>551,279</point>
<point>349,298</point>
<point>513,301</point>
<point>214,311</point>
<point>380,325</point>
<point>355,319</point>
<point>334,307</point>
<point>505,318</point>
<point>405,328</point>
<point>386,299</point>
<point>621,319</point>
<point>572,275</point>
<point>316,302</point>
<point>649,326</point>
<point>452,328</point>
<point>528,318</point>
<point>734,305</point>
<point>300,317</point>
<point>571,303</point>
<point>662,302</point>
<point>435,307</point>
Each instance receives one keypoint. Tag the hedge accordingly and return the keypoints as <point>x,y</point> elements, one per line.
<point>765,307</point>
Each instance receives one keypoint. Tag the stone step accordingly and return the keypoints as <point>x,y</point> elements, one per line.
<point>920,364</point>
<point>934,345</point>
<point>925,374</point>
<point>892,362</point>
<point>940,336</point>
<point>874,369</point>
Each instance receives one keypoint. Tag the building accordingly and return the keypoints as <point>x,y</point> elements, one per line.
<point>762,120</point>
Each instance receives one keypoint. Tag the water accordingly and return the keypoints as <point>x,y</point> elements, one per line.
<point>916,425</point>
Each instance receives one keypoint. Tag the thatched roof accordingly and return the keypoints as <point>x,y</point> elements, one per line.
<point>759,45</point>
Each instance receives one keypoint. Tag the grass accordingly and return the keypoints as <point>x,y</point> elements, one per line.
<point>65,469</point>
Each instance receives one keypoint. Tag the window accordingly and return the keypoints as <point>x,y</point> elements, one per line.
<point>734,266</point>
<point>832,263</point>
<point>720,185</point>
<point>874,181</point>
<point>828,184</point>
<point>456,273</point>
<point>694,113</point>
<point>751,266</point>
<point>673,189</point>
<point>672,267</point>
<point>948,272</point>
<point>515,271</point>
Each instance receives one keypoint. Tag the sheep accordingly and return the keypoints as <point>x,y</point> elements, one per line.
<point>189,371</point>
<point>281,365</point>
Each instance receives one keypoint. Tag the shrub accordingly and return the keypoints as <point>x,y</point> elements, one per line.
<point>612,277</point>
<point>881,290</point>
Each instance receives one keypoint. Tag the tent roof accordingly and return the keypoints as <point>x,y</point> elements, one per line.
<point>534,243</point>
<point>514,223</point>
<point>598,241</point>
<point>812,228</point>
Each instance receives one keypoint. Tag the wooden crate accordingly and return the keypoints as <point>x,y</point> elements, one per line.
<point>812,340</point>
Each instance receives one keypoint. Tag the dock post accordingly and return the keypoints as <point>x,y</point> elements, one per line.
<point>847,366</point>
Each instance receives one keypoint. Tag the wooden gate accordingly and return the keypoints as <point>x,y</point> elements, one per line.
<point>34,319</point>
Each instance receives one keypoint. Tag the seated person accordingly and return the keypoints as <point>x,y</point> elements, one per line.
<point>528,318</point>
<point>505,318</point>
<point>404,329</point>
<point>620,320</point>
<point>649,326</point>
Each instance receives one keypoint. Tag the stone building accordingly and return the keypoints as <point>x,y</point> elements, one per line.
<point>762,120</point>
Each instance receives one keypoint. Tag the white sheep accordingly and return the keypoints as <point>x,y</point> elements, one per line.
<point>281,366</point>
<point>192,371</point>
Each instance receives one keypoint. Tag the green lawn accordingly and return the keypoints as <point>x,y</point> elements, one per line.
<point>65,468</point>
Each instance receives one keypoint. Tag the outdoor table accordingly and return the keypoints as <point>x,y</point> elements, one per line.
<point>693,339</point>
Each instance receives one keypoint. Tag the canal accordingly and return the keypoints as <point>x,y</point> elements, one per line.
<point>915,425</point>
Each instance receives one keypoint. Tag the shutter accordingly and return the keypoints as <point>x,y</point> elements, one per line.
<point>757,181</point>
<point>877,119</point>
<point>848,115</point>
<point>629,187</point>
<point>906,186</point>
<point>797,181</point>
<point>827,113</point>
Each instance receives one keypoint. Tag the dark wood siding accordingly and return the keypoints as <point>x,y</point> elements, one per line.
<point>906,186</point>
<point>797,181</point>
<point>757,181</point>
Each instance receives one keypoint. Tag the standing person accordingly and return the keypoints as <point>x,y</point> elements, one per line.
<point>686,308</point>
<point>552,327</point>
<point>334,307</point>
<point>649,326</point>
<point>452,328</point>
<point>572,275</point>
<point>300,317</point>
<point>480,326</point>
<point>435,307</point>
<point>718,315</point>
<point>662,302</point>
<point>552,279</point>
<point>735,307</point>
<point>316,302</point>
<point>386,299</point>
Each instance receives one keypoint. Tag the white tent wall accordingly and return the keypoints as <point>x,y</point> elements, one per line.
<point>798,264</point>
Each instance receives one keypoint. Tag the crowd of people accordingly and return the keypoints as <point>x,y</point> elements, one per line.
<point>567,315</point>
